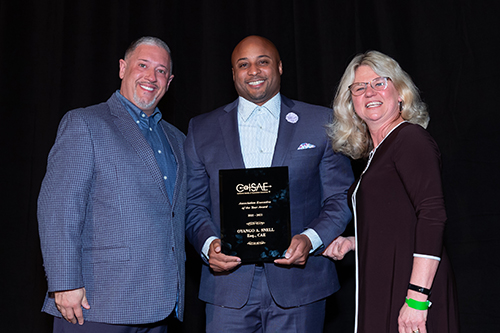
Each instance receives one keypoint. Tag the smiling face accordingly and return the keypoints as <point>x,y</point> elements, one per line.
<point>376,108</point>
<point>145,75</point>
<point>256,69</point>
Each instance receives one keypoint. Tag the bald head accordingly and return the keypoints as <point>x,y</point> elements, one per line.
<point>254,41</point>
<point>257,69</point>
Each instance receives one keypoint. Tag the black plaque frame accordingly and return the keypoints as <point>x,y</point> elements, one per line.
<point>255,213</point>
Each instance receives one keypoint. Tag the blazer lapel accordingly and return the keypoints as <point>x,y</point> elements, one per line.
<point>285,132</point>
<point>177,154</point>
<point>229,129</point>
<point>131,132</point>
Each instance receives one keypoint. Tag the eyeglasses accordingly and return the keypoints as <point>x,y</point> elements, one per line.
<point>359,88</point>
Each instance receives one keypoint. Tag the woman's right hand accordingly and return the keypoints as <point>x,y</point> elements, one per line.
<point>339,247</point>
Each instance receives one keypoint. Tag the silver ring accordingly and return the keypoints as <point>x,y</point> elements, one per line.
<point>416,331</point>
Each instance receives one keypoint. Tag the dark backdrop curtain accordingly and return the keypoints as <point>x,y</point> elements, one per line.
<point>59,55</point>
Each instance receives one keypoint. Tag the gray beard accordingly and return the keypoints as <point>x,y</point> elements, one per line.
<point>143,105</point>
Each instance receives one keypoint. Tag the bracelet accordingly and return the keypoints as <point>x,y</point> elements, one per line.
<point>417,305</point>
<point>419,289</point>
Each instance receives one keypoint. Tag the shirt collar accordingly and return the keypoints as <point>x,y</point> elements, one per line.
<point>137,113</point>
<point>246,108</point>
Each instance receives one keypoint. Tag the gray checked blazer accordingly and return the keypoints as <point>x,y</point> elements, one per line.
<point>106,222</point>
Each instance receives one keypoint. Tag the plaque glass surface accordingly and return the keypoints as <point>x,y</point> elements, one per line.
<point>255,213</point>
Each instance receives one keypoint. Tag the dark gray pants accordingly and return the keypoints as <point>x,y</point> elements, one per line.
<point>262,315</point>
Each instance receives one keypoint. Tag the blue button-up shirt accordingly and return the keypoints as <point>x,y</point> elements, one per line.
<point>258,128</point>
<point>153,133</point>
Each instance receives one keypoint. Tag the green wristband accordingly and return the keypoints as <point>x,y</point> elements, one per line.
<point>418,305</point>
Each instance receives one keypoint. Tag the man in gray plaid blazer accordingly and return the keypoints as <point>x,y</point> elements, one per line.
<point>112,205</point>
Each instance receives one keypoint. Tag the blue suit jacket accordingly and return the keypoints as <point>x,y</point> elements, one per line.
<point>319,180</point>
<point>106,222</point>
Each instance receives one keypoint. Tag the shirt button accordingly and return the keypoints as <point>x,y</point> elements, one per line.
<point>165,177</point>
<point>150,129</point>
<point>143,115</point>
<point>159,151</point>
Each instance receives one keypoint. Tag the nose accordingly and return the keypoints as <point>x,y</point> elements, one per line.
<point>150,74</point>
<point>253,70</point>
<point>370,91</point>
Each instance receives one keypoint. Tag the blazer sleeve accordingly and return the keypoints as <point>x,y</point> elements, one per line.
<point>62,203</point>
<point>336,177</point>
<point>199,224</point>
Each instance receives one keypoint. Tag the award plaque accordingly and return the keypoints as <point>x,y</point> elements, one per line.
<point>255,213</point>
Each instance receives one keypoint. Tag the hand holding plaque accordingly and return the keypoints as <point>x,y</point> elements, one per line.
<point>255,213</point>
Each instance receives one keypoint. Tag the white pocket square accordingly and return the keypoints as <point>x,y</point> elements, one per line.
<point>306,145</point>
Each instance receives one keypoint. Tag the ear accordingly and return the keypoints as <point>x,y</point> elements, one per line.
<point>232,71</point>
<point>169,80</point>
<point>280,68</point>
<point>123,67</point>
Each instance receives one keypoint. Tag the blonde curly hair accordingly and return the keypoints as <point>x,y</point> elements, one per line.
<point>348,133</point>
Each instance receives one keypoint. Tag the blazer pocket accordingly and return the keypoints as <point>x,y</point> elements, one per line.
<point>108,254</point>
<point>305,153</point>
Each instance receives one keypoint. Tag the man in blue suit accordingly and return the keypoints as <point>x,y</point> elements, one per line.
<point>262,128</point>
<point>111,209</point>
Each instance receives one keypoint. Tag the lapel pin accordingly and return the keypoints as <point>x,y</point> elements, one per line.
<point>292,117</point>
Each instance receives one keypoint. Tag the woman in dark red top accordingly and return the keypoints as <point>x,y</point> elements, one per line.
<point>398,205</point>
